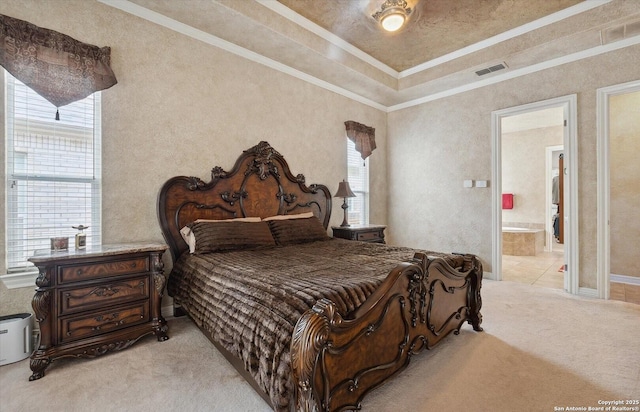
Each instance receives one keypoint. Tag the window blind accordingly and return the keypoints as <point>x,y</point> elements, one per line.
<point>53,172</point>
<point>358,177</point>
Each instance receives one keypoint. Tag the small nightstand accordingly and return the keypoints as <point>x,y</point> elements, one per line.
<point>102,299</point>
<point>363,233</point>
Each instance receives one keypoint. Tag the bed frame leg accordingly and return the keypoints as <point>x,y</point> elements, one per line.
<point>475,300</point>
<point>309,338</point>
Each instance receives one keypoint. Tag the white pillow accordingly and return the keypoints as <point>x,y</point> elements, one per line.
<point>305,215</point>
<point>190,239</point>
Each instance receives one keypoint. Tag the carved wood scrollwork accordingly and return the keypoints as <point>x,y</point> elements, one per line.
<point>463,279</point>
<point>157,265</point>
<point>43,278</point>
<point>194,183</point>
<point>319,336</point>
<point>309,337</point>
<point>262,164</point>
<point>475,317</point>
<point>417,298</point>
<point>101,350</point>
<point>417,289</point>
<point>183,199</point>
<point>287,197</point>
<point>41,304</point>
<point>218,173</point>
<point>159,280</point>
<point>38,366</point>
<point>232,198</point>
<point>353,383</point>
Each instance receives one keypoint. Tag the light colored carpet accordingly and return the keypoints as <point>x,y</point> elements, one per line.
<point>541,349</point>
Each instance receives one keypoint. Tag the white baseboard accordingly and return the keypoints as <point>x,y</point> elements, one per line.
<point>488,275</point>
<point>629,280</point>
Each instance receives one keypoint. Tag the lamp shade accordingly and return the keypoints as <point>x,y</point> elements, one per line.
<point>344,190</point>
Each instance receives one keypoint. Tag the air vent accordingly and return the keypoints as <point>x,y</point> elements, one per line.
<point>613,34</point>
<point>491,69</point>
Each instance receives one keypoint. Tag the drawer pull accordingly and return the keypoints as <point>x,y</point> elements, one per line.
<point>106,318</point>
<point>79,272</point>
<point>107,292</point>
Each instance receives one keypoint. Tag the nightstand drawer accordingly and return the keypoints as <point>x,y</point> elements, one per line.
<point>99,270</point>
<point>72,300</point>
<point>362,233</point>
<point>368,236</point>
<point>86,325</point>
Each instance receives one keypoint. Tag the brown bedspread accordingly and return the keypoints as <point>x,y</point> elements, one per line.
<point>250,301</point>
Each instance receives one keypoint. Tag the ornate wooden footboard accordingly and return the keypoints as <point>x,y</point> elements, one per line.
<point>337,361</point>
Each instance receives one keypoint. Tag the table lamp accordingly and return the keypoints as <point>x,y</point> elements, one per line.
<point>344,191</point>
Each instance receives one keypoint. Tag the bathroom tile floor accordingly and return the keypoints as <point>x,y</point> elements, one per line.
<point>540,270</point>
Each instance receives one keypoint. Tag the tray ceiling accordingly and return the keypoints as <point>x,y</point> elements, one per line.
<point>337,45</point>
<point>435,27</point>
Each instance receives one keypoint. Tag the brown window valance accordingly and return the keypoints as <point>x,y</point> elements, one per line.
<point>56,66</point>
<point>363,136</point>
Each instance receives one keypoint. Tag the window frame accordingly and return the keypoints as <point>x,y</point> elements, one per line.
<point>358,178</point>
<point>23,276</point>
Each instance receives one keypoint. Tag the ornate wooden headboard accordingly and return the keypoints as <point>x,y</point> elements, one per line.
<point>260,184</point>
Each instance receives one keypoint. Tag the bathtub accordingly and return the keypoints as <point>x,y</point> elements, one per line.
<point>520,241</point>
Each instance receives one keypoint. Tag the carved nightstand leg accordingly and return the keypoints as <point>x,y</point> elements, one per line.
<point>38,367</point>
<point>161,330</point>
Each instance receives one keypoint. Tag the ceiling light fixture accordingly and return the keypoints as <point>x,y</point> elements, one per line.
<point>392,14</point>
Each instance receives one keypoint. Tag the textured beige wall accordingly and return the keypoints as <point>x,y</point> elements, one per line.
<point>523,173</point>
<point>435,146</point>
<point>181,107</point>
<point>624,166</point>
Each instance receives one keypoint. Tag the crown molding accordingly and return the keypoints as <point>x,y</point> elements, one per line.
<point>162,20</point>
<point>510,34</point>
<point>307,24</point>
<point>208,38</point>
<point>569,58</point>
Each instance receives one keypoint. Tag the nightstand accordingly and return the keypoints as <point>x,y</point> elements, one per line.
<point>97,300</point>
<point>363,233</point>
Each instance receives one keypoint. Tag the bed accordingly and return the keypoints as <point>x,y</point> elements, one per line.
<point>312,322</point>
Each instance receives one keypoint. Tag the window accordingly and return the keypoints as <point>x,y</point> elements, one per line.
<point>358,179</point>
<point>53,172</point>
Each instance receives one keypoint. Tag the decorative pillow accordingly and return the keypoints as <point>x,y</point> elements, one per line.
<point>217,235</point>
<point>295,231</point>
<point>288,217</point>
<point>190,239</point>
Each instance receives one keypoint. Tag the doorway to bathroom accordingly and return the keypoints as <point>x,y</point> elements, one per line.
<point>532,233</point>
<point>533,198</point>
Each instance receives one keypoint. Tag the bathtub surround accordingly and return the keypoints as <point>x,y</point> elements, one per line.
<point>519,241</point>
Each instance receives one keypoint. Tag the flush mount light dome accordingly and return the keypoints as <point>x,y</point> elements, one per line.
<point>392,14</point>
